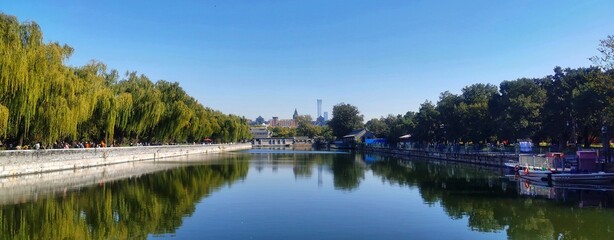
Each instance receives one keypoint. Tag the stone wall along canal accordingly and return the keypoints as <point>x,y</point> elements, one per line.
<point>13,163</point>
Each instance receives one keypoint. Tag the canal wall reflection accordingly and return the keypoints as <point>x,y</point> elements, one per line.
<point>131,208</point>
<point>25,188</point>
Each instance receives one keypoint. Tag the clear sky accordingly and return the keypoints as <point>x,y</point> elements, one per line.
<point>267,58</point>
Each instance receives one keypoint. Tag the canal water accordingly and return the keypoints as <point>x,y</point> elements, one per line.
<point>287,194</point>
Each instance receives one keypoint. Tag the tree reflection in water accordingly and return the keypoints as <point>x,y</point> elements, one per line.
<point>157,203</point>
<point>125,209</point>
<point>492,203</point>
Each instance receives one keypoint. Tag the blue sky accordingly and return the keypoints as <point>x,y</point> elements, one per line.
<point>267,58</point>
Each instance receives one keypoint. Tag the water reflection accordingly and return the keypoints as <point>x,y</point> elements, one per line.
<point>493,203</point>
<point>580,195</point>
<point>126,209</point>
<point>158,200</point>
<point>347,169</point>
<point>484,196</point>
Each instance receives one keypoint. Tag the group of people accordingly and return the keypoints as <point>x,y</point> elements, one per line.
<point>66,145</point>
<point>56,145</point>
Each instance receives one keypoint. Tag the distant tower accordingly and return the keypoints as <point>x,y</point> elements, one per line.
<point>295,115</point>
<point>319,107</point>
<point>259,120</point>
<point>325,116</point>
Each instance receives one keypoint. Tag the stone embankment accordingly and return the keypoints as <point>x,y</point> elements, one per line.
<point>20,162</point>
<point>482,158</point>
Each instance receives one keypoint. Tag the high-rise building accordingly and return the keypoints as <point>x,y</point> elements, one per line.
<point>325,116</point>
<point>319,107</point>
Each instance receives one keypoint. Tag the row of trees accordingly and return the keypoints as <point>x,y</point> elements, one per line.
<point>44,100</point>
<point>570,106</point>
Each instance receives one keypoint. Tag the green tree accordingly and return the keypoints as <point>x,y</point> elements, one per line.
<point>4,120</point>
<point>401,125</point>
<point>327,133</point>
<point>450,115</point>
<point>305,127</point>
<point>427,123</point>
<point>577,104</point>
<point>606,48</point>
<point>346,118</point>
<point>475,118</point>
<point>591,102</point>
<point>174,124</point>
<point>392,127</point>
<point>282,131</point>
<point>521,103</point>
<point>148,107</point>
<point>378,127</point>
<point>43,100</point>
<point>558,121</point>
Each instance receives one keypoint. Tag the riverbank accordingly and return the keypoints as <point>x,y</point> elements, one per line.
<point>493,159</point>
<point>21,162</point>
<point>29,187</point>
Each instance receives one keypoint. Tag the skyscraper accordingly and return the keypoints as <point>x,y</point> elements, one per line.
<point>319,107</point>
<point>326,116</point>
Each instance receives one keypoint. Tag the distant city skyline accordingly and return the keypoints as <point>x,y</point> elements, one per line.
<point>267,58</point>
<point>318,113</point>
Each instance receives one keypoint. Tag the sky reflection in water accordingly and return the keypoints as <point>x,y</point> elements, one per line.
<point>280,194</point>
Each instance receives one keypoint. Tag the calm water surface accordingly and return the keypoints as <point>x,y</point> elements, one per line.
<point>285,194</point>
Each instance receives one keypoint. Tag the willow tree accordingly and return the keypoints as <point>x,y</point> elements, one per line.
<point>110,109</point>
<point>174,123</point>
<point>229,128</point>
<point>200,125</point>
<point>20,88</point>
<point>45,99</point>
<point>147,107</point>
<point>71,97</point>
<point>4,120</point>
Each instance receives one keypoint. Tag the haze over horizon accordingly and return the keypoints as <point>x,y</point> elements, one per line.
<point>270,57</point>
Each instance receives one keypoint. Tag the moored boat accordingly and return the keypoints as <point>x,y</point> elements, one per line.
<point>534,174</point>
<point>551,168</point>
<point>540,167</point>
